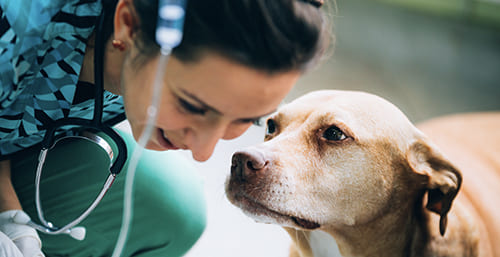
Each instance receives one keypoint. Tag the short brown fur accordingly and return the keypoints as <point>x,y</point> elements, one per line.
<point>388,189</point>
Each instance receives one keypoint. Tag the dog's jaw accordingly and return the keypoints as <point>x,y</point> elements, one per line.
<point>265,211</point>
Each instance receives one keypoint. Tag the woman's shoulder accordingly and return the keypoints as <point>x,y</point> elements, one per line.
<point>35,21</point>
<point>42,39</point>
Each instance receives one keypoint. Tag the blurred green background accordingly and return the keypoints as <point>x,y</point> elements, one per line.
<point>428,57</point>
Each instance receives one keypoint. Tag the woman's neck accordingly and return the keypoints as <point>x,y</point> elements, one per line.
<point>112,66</point>
<point>87,70</point>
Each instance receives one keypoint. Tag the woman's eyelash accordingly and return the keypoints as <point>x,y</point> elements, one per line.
<point>199,111</point>
<point>258,122</point>
<point>191,108</point>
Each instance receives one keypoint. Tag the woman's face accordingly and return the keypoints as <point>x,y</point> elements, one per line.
<point>201,102</point>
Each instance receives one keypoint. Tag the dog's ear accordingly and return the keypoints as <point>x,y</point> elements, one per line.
<point>443,178</point>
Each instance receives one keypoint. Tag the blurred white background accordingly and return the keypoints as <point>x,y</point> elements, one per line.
<point>229,232</point>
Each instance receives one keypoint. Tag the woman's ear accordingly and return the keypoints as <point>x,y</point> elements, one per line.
<point>125,22</point>
<point>444,180</point>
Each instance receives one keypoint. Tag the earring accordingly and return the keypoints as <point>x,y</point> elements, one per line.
<point>118,44</point>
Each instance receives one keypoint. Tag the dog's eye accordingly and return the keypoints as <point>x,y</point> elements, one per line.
<point>271,127</point>
<point>334,134</point>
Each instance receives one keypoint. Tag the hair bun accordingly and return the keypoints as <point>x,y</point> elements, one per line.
<point>317,3</point>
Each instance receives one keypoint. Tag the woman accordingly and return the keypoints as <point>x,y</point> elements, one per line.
<point>235,64</point>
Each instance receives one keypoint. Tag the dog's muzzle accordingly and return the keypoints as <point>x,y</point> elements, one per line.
<point>252,169</point>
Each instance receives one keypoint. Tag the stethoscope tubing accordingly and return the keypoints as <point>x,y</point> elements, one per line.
<point>109,181</point>
<point>49,228</point>
<point>93,125</point>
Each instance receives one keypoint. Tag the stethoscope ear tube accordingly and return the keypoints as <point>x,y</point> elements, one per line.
<point>70,229</point>
<point>48,227</point>
<point>118,164</point>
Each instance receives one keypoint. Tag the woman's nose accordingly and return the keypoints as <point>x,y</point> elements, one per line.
<point>202,141</point>
<point>203,149</point>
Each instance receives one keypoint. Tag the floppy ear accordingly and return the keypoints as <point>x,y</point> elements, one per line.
<point>444,179</point>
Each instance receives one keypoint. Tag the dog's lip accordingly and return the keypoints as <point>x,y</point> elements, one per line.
<point>307,224</point>
<point>303,223</point>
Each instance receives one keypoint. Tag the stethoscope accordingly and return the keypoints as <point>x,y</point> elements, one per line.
<point>87,130</point>
<point>168,35</point>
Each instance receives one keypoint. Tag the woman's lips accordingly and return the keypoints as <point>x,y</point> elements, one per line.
<point>164,142</point>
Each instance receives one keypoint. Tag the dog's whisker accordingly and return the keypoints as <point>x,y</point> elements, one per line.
<point>306,237</point>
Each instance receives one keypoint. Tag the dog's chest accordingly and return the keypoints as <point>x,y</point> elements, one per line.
<point>323,245</point>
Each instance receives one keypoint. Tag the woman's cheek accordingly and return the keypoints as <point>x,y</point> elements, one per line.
<point>170,118</point>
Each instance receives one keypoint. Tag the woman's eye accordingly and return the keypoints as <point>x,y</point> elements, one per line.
<point>191,108</point>
<point>334,134</point>
<point>271,127</point>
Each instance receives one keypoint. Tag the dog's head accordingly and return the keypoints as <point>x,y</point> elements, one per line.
<point>337,158</point>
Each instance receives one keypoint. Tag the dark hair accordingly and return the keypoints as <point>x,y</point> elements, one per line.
<point>270,35</point>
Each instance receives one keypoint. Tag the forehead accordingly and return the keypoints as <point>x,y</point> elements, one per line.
<point>233,89</point>
<point>366,115</point>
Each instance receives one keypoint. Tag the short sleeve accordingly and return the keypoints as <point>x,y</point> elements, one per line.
<point>42,47</point>
<point>25,28</point>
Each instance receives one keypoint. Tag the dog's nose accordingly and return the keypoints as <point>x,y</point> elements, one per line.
<point>248,163</point>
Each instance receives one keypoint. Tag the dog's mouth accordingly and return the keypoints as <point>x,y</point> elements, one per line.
<point>254,208</point>
<point>305,223</point>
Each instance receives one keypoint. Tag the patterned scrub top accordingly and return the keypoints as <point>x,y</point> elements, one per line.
<point>42,45</point>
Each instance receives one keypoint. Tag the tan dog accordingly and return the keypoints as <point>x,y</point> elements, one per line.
<point>352,165</point>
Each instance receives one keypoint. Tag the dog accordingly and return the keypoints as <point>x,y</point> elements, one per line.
<point>352,165</point>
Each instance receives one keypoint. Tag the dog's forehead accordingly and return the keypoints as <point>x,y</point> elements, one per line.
<point>339,102</point>
<point>361,112</point>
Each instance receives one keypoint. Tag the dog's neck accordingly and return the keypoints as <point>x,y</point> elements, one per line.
<point>390,235</point>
